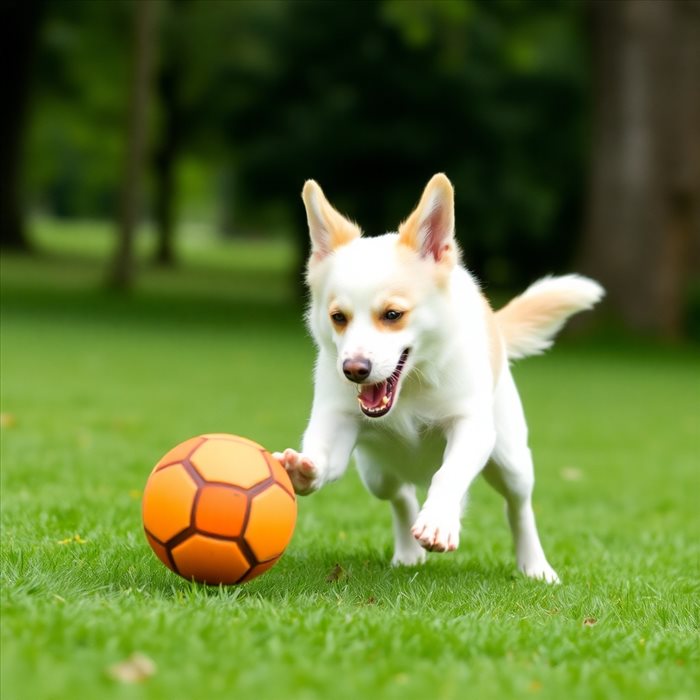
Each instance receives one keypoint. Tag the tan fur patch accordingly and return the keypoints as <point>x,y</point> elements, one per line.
<point>333,309</point>
<point>527,323</point>
<point>343,231</point>
<point>329,229</point>
<point>393,304</point>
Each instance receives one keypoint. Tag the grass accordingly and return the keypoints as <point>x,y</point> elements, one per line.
<point>96,387</point>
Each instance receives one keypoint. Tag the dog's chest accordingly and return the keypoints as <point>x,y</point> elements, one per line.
<point>410,458</point>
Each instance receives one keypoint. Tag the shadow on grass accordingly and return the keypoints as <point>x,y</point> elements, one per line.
<point>326,576</point>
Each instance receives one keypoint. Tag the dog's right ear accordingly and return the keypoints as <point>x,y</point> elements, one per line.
<point>327,228</point>
<point>430,229</point>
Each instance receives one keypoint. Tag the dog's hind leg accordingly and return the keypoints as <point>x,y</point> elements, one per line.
<point>511,473</point>
<point>404,510</point>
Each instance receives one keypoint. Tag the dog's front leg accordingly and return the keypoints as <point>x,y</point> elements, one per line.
<point>469,444</point>
<point>326,448</point>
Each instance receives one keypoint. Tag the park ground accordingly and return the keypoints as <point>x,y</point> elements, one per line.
<point>97,386</point>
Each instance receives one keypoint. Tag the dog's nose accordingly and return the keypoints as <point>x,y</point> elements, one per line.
<point>357,369</point>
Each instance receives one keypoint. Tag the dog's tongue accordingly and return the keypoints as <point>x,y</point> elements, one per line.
<point>371,395</point>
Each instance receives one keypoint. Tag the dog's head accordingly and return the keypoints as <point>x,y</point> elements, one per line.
<point>376,300</point>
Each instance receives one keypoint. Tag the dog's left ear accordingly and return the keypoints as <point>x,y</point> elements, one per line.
<point>328,228</point>
<point>430,229</point>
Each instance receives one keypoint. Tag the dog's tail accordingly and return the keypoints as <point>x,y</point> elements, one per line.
<point>529,322</point>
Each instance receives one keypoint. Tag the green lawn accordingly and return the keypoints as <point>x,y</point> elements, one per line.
<point>96,387</point>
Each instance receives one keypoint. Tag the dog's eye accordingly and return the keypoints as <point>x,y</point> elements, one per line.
<point>392,315</point>
<point>339,318</point>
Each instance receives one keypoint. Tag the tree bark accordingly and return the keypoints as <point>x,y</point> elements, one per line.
<point>20,21</point>
<point>644,204</point>
<point>166,156</point>
<point>174,122</point>
<point>123,269</point>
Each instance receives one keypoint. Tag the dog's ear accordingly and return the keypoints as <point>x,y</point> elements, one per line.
<point>327,228</point>
<point>430,228</point>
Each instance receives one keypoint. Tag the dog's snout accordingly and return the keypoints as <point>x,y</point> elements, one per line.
<point>357,369</point>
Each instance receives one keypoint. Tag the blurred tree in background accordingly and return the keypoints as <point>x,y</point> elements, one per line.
<point>143,48</point>
<point>644,216</point>
<point>19,29</point>
<point>371,98</point>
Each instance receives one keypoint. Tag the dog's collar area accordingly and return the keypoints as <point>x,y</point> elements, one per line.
<point>376,400</point>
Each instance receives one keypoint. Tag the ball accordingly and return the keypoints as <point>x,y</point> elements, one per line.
<point>218,509</point>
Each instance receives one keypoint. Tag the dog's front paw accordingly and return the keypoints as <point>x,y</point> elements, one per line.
<point>437,531</point>
<point>302,471</point>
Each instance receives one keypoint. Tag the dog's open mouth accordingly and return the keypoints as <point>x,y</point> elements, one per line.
<point>377,399</point>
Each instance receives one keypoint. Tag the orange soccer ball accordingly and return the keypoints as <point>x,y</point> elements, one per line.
<point>219,509</point>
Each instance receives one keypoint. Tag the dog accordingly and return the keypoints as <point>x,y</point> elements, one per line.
<point>412,376</point>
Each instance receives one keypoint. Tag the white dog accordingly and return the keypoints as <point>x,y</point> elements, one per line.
<point>412,375</point>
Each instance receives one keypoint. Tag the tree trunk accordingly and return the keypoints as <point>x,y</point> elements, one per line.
<point>644,205</point>
<point>166,157</point>
<point>20,21</point>
<point>136,137</point>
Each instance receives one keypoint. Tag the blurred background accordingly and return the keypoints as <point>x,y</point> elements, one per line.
<point>142,135</point>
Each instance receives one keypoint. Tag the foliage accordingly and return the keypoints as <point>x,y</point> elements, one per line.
<point>372,103</point>
<point>74,158</point>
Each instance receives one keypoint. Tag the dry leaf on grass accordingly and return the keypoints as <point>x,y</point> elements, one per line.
<point>571,474</point>
<point>7,420</point>
<point>589,621</point>
<point>76,539</point>
<point>337,573</point>
<point>136,669</point>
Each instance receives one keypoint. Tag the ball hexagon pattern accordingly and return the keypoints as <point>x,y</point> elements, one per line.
<point>218,509</point>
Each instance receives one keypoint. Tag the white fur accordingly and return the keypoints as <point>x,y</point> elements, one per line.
<point>450,414</point>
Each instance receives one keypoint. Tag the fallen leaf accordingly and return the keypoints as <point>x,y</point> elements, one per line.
<point>7,420</point>
<point>337,573</point>
<point>76,539</point>
<point>589,621</point>
<point>571,474</point>
<point>136,669</point>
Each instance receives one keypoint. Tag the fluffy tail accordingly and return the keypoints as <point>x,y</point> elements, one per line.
<point>529,322</point>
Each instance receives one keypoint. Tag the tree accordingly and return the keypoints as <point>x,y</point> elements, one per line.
<point>20,21</point>
<point>137,130</point>
<point>644,206</point>
<point>173,125</point>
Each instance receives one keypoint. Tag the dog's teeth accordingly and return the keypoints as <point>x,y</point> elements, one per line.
<point>385,401</point>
